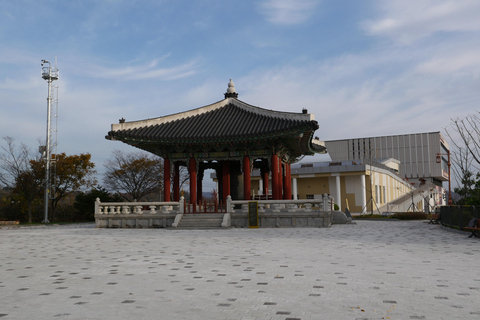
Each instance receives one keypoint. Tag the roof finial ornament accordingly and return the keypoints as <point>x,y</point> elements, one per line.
<point>231,93</point>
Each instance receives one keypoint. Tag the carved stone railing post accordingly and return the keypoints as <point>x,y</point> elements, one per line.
<point>230,206</point>
<point>182,205</point>
<point>165,209</point>
<point>276,207</point>
<point>326,206</point>
<point>308,207</point>
<point>292,207</point>
<point>261,208</point>
<point>245,208</point>
<point>97,206</point>
<point>227,221</point>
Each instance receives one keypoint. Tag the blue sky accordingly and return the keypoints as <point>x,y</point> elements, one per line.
<point>363,67</point>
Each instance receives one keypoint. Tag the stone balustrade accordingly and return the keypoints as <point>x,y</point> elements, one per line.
<point>282,213</point>
<point>304,205</point>
<point>137,214</point>
<point>315,212</point>
<point>137,207</point>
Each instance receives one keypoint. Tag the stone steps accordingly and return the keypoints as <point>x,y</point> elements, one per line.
<point>201,221</point>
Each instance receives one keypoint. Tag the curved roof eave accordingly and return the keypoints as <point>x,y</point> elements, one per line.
<point>208,108</point>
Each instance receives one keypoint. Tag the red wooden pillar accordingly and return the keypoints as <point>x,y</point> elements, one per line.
<point>275,177</point>
<point>287,183</point>
<point>280,180</point>
<point>246,178</point>
<point>265,184</point>
<point>176,182</point>
<point>199,185</point>
<point>166,179</point>
<point>192,169</point>
<point>219,174</point>
<point>226,179</point>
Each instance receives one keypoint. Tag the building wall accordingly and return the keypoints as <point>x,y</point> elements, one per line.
<point>384,185</point>
<point>313,187</point>
<point>385,188</point>
<point>416,152</point>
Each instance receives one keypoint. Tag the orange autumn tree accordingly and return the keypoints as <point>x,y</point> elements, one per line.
<point>73,173</point>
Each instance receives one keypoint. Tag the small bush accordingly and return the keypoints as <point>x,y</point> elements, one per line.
<point>410,216</point>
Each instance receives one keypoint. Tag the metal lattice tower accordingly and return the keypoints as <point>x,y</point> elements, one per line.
<point>50,74</point>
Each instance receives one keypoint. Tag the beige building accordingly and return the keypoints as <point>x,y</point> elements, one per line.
<point>378,174</point>
<point>363,187</point>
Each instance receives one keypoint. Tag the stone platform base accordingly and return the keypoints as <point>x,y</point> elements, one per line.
<point>134,220</point>
<point>313,219</point>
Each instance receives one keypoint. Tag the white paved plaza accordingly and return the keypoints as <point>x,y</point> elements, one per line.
<point>368,270</point>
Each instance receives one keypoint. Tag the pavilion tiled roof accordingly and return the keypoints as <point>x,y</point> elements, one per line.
<point>225,120</point>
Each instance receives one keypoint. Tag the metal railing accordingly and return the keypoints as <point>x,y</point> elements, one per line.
<point>457,217</point>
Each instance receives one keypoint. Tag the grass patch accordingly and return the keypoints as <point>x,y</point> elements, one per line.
<point>397,216</point>
<point>371,216</point>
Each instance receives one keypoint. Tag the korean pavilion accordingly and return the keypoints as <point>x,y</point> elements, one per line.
<point>229,136</point>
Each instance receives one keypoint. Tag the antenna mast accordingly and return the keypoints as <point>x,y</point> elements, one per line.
<point>49,74</point>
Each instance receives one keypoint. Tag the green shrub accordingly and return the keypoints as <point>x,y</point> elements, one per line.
<point>85,202</point>
<point>410,216</point>
<point>372,216</point>
<point>336,207</point>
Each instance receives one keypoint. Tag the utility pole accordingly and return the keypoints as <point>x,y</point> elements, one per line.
<point>49,74</point>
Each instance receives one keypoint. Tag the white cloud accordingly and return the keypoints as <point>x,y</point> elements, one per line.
<point>19,84</point>
<point>380,92</point>
<point>149,70</point>
<point>287,12</point>
<point>408,21</point>
<point>465,62</point>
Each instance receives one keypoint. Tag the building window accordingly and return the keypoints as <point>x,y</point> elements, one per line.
<point>310,196</point>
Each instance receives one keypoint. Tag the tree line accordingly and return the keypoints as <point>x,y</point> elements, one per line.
<point>464,134</point>
<point>74,187</point>
<point>139,177</point>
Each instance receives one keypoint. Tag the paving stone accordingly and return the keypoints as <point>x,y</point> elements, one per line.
<point>369,270</point>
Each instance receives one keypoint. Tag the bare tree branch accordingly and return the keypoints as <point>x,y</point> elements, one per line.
<point>14,160</point>
<point>133,175</point>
